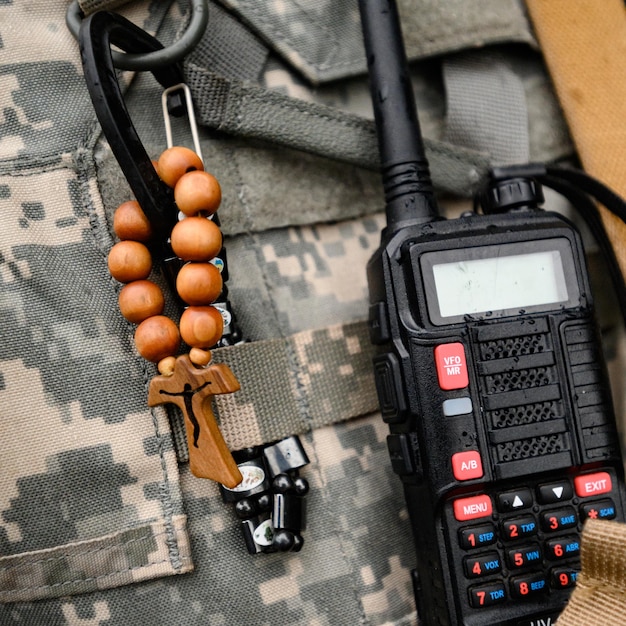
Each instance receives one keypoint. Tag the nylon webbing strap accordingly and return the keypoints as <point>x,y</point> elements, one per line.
<point>599,595</point>
<point>295,384</point>
<point>486,107</point>
<point>248,111</point>
<point>584,45</point>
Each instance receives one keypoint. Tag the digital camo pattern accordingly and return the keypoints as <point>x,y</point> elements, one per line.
<point>92,501</point>
<point>353,569</point>
<point>89,493</point>
<point>323,40</point>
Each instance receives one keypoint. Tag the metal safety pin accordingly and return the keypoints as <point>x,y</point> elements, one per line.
<point>169,91</point>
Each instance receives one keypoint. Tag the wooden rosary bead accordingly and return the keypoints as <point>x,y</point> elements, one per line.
<point>196,239</point>
<point>130,222</point>
<point>199,357</point>
<point>199,284</point>
<point>196,192</point>
<point>129,260</point>
<point>156,338</point>
<point>201,326</point>
<point>140,300</point>
<point>166,365</point>
<point>175,162</point>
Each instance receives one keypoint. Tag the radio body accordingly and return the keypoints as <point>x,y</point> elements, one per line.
<point>490,374</point>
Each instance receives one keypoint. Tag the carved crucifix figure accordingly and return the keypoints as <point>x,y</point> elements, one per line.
<point>190,388</point>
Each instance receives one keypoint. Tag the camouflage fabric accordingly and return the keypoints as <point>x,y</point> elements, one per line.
<point>98,510</point>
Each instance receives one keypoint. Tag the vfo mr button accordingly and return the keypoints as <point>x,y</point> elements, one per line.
<point>451,366</point>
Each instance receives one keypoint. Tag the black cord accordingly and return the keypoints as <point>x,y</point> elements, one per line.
<point>587,209</point>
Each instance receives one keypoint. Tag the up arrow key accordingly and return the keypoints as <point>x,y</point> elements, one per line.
<point>514,500</point>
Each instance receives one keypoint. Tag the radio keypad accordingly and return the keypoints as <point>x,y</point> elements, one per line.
<point>527,554</point>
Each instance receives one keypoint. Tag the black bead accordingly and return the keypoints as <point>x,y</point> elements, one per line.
<point>247,454</point>
<point>301,485</point>
<point>282,484</point>
<point>283,540</point>
<point>264,502</point>
<point>298,542</point>
<point>245,508</point>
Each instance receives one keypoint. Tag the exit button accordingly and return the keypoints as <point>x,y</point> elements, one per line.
<point>451,366</point>
<point>592,484</point>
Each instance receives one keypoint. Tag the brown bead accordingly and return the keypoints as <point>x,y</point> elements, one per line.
<point>199,284</point>
<point>201,326</point>
<point>129,260</point>
<point>139,300</point>
<point>166,365</point>
<point>175,162</point>
<point>156,338</point>
<point>199,357</point>
<point>198,191</point>
<point>130,222</point>
<point>196,239</point>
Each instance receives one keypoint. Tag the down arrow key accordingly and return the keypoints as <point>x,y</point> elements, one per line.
<point>550,493</point>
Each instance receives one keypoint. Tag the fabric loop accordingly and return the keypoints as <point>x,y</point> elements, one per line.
<point>308,380</point>
<point>486,107</point>
<point>244,110</point>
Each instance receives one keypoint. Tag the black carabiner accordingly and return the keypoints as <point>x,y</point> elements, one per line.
<point>97,33</point>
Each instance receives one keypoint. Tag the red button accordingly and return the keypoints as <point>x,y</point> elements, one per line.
<point>472,508</point>
<point>451,366</point>
<point>467,465</point>
<point>592,484</point>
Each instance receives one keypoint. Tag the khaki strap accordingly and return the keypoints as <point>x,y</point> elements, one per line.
<point>584,45</point>
<point>292,385</point>
<point>600,594</point>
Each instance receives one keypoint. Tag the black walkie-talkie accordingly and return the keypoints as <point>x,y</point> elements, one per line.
<point>490,375</point>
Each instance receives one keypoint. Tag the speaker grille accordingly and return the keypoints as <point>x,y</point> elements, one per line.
<point>526,414</point>
<point>532,447</point>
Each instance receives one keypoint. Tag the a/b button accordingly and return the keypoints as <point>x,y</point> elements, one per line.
<point>451,366</point>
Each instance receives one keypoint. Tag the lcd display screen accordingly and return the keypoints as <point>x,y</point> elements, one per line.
<point>502,282</point>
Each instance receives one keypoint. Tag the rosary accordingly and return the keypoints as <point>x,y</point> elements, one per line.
<point>173,221</point>
<point>189,380</point>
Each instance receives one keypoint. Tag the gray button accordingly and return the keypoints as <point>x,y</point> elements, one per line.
<point>457,406</point>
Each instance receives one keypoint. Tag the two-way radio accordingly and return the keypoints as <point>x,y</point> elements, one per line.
<point>489,373</point>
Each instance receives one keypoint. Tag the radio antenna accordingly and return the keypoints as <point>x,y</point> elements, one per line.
<point>409,195</point>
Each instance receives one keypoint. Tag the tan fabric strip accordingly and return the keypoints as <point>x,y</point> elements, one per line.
<point>296,384</point>
<point>600,595</point>
<point>584,45</point>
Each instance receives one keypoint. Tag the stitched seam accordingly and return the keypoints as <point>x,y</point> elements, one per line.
<point>91,579</point>
<point>75,554</point>
<point>164,491</point>
<point>85,163</point>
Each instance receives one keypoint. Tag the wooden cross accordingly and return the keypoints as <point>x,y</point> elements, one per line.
<point>190,388</point>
